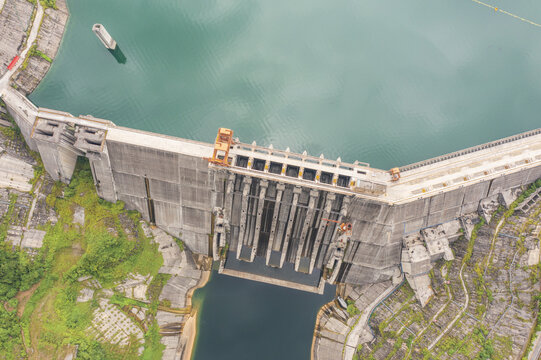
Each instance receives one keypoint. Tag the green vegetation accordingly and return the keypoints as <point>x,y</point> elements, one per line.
<point>48,4</point>
<point>487,348</point>
<point>224,250</point>
<point>10,339</point>
<point>121,300</point>
<point>17,273</point>
<point>153,347</point>
<point>156,285</point>
<point>452,346</point>
<point>33,51</point>
<point>9,132</point>
<point>534,186</point>
<point>13,132</point>
<point>357,355</point>
<point>180,244</point>
<point>352,308</point>
<point>537,326</point>
<point>475,344</point>
<point>473,237</point>
<point>52,321</point>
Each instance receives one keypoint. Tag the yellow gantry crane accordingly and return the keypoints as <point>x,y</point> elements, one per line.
<point>223,143</point>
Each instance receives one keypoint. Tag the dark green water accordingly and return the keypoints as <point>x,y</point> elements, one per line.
<point>241,319</point>
<point>385,82</point>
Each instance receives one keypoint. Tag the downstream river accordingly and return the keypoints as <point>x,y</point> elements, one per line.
<point>385,82</point>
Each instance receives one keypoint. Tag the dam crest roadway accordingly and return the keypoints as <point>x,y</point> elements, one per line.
<point>274,215</point>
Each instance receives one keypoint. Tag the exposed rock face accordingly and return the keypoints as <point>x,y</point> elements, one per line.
<point>49,39</point>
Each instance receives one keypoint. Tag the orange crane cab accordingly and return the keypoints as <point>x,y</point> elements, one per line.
<point>395,174</point>
<point>343,228</point>
<point>223,143</point>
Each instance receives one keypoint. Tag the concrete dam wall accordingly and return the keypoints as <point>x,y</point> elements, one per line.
<point>277,209</point>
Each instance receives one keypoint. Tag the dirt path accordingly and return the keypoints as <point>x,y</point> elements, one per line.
<point>4,81</point>
<point>23,297</point>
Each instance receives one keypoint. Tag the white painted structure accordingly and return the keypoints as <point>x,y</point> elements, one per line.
<point>105,38</point>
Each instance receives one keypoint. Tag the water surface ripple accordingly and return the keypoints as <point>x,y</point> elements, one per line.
<point>385,82</point>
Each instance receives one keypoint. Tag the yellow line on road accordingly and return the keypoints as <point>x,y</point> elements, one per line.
<point>507,13</point>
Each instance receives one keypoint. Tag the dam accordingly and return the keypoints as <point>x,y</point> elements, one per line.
<point>273,215</point>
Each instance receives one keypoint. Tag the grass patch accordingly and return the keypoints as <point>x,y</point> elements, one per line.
<point>48,4</point>
<point>53,321</point>
<point>352,309</point>
<point>156,285</point>
<point>122,301</point>
<point>153,347</point>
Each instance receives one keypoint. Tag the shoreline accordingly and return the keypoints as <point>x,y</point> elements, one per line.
<point>189,332</point>
<point>319,315</point>
<point>39,45</point>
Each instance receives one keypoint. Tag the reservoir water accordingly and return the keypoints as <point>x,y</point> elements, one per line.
<point>241,319</point>
<point>384,82</point>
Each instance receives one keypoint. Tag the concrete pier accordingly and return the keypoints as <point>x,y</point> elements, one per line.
<point>260,204</point>
<point>104,36</point>
<point>321,230</point>
<point>243,215</point>
<point>274,202</point>
<point>290,222</point>
<point>280,190</point>
<point>307,221</point>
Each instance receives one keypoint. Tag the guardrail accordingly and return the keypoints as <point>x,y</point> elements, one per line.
<point>470,150</point>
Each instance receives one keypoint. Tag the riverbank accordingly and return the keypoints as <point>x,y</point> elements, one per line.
<point>189,332</point>
<point>30,200</point>
<point>337,330</point>
<point>44,29</point>
<point>186,272</point>
<point>43,50</point>
<point>37,30</point>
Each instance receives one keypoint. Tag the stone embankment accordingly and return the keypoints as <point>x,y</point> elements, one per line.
<point>26,212</point>
<point>48,42</point>
<point>187,272</point>
<point>338,331</point>
<point>484,300</point>
<point>15,25</point>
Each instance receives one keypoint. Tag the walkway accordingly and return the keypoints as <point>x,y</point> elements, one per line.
<point>352,339</point>
<point>4,81</point>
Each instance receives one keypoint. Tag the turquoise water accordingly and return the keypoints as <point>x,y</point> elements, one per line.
<point>385,82</point>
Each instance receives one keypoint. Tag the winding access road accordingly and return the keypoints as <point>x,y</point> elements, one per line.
<point>352,339</point>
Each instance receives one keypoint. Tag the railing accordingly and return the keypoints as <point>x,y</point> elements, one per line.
<point>335,173</point>
<point>470,150</point>
<point>301,157</point>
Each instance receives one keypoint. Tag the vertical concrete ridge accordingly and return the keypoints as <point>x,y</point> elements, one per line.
<point>296,191</point>
<point>307,221</point>
<point>261,201</point>
<point>280,190</point>
<point>246,190</point>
